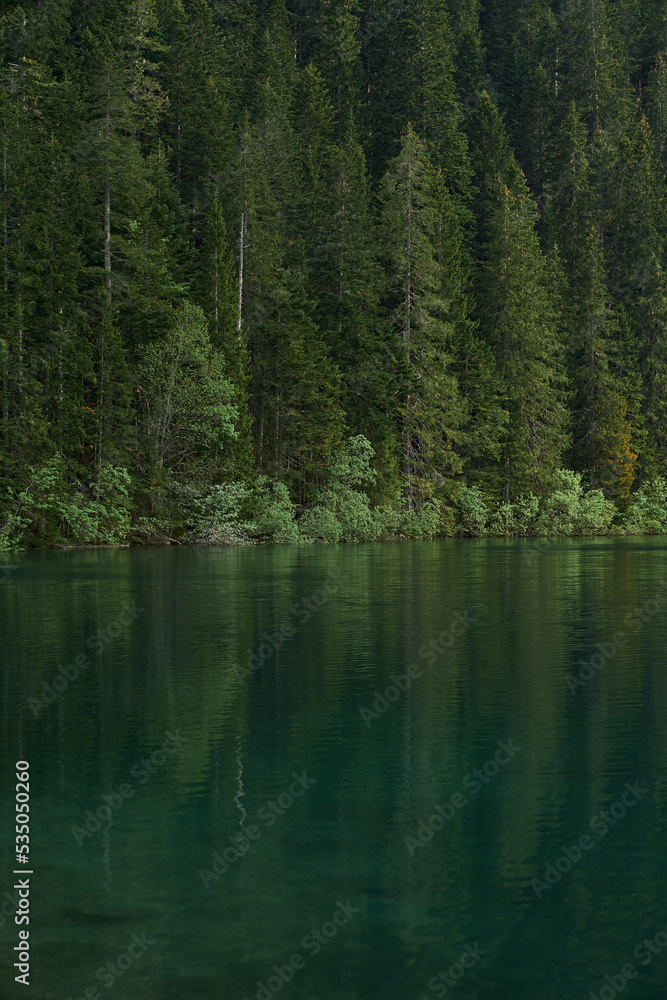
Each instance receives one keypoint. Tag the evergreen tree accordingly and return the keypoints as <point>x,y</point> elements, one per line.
<point>601,443</point>
<point>336,53</point>
<point>656,106</point>
<point>596,79</point>
<point>638,254</point>
<point>494,165</point>
<point>160,156</point>
<point>424,291</point>
<point>518,318</point>
<point>218,293</point>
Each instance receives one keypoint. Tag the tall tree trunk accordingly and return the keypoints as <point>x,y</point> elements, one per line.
<point>241,248</point>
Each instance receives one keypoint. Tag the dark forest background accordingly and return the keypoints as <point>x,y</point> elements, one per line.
<point>243,239</point>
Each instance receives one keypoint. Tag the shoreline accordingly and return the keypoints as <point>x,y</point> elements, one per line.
<point>71,547</point>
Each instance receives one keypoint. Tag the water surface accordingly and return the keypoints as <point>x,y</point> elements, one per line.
<point>224,693</point>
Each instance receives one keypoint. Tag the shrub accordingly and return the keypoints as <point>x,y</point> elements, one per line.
<point>54,507</point>
<point>516,518</point>
<point>561,508</point>
<point>321,523</point>
<point>570,511</point>
<point>647,514</point>
<point>596,513</point>
<point>274,512</point>
<point>427,522</point>
<point>217,516</point>
<point>342,512</point>
<point>473,511</point>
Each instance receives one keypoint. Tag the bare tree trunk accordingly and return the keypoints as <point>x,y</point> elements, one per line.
<point>5,380</point>
<point>107,282</point>
<point>595,70</point>
<point>216,295</point>
<point>241,248</point>
<point>406,437</point>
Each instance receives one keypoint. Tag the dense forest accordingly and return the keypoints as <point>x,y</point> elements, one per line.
<point>382,267</point>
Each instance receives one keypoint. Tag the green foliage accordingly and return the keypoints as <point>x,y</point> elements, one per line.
<point>516,518</point>
<point>320,523</point>
<point>342,511</point>
<point>430,521</point>
<point>425,281</point>
<point>218,516</point>
<point>53,507</point>
<point>185,395</point>
<point>473,511</point>
<point>568,510</point>
<point>235,235</point>
<point>647,514</point>
<point>274,514</point>
<point>352,465</point>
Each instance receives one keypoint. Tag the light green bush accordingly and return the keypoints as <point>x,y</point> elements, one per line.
<point>561,509</point>
<point>570,511</point>
<point>274,512</point>
<point>647,514</point>
<point>596,514</point>
<point>54,506</point>
<point>342,511</point>
<point>427,522</point>
<point>516,518</point>
<point>321,524</point>
<point>217,518</point>
<point>473,511</point>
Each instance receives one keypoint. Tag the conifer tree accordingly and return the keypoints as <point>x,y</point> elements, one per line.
<point>656,107</point>
<point>518,319</point>
<point>494,165</point>
<point>601,431</point>
<point>637,258</point>
<point>596,79</point>
<point>424,292</point>
<point>336,54</point>
<point>218,292</point>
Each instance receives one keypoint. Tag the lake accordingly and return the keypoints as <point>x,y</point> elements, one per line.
<point>398,771</point>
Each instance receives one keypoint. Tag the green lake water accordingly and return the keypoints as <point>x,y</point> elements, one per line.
<point>222,698</point>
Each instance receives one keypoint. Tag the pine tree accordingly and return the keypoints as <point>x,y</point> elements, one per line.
<point>602,433</point>
<point>336,53</point>
<point>198,126</point>
<point>424,291</point>
<point>350,283</point>
<point>429,91</point>
<point>494,165</point>
<point>518,318</point>
<point>301,414</point>
<point>638,252</point>
<point>218,294</point>
<point>656,107</point>
<point>596,76</point>
<point>414,82</point>
<point>470,58</point>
